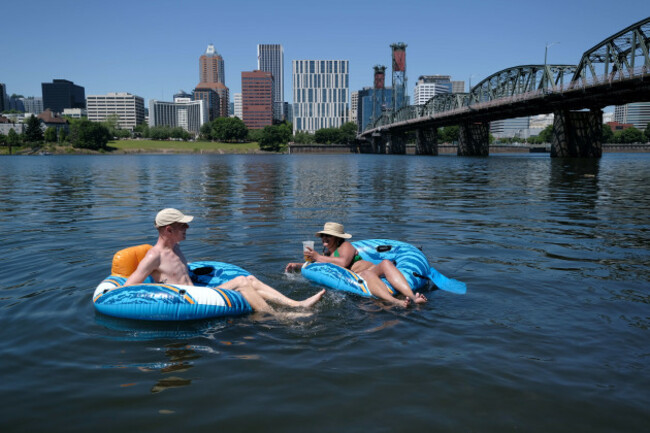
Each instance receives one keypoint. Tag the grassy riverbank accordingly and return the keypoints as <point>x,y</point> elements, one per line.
<point>140,146</point>
<point>154,146</point>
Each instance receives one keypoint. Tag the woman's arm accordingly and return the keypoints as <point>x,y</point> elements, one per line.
<point>346,255</point>
<point>293,267</point>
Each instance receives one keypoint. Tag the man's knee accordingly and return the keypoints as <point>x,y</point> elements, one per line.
<point>240,281</point>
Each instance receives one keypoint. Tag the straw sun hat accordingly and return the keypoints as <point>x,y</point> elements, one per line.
<point>334,229</point>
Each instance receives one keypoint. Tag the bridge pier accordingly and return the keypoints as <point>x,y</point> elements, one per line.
<point>397,143</point>
<point>378,143</point>
<point>577,134</point>
<point>474,139</point>
<point>426,141</point>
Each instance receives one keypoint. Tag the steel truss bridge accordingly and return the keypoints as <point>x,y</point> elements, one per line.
<point>614,72</point>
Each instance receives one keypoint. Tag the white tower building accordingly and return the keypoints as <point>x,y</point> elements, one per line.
<point>429,86</point>
<point>320,94</point>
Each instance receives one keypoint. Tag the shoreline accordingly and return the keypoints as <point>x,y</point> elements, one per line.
<point>314,149</point>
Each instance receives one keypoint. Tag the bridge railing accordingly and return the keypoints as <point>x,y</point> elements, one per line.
<point>406,116</point>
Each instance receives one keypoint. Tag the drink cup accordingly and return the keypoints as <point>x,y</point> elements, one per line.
<point>305,245</point>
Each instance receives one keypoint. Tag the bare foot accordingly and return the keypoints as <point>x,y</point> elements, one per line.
<point>309,302</point>
<point>404,303</point>
<point>420,299</point>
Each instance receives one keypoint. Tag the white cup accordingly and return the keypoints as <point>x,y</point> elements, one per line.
<point>305,245</point>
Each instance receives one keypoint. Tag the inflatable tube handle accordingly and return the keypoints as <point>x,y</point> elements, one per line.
<point>203,270</point>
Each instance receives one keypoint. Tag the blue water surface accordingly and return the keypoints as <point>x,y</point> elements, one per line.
<point>551,336</point>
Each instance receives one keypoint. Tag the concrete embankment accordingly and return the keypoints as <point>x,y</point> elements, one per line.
<point>450,149</point>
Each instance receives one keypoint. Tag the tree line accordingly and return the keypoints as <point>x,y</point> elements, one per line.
<point>85,134</point>
<point>629,135</point>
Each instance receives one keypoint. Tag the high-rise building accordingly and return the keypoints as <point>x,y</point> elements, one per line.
<point>237,111</point>
<point>288,111</point>
<point>182,95</point>
<point>637,113</point>
<point>128,108</point>
<point>354,105</point>
<point>429,86</point>
<point>60,94</point>
<point>211,68</point>
<point>212,99</point>
<point>367,112</point>
<point>320,94</point>
<point>3,97</point>
<point>189,115</point>
<point>270,58</point>
<point>75,113</point>
<point>16,104</point>
<point>33,105</point>
<point>212,84</point>
<point>457,87</point>
<point>518,127</point>
<point>257,99</point>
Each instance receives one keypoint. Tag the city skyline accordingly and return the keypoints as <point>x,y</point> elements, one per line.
<point>153,53</point>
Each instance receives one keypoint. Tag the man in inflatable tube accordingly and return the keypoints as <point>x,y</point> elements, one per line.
<point>166,264</point>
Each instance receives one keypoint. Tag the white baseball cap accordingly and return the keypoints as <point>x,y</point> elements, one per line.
<point>170,216</point>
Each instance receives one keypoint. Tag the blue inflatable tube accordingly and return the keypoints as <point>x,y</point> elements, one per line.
<point>174,302</point>
<point>409,260</point>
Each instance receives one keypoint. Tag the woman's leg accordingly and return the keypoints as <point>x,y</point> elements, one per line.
<point>379,289</point>
<point>397,280</point>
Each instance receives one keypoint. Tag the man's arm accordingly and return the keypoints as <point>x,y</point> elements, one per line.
<point>146,267</point>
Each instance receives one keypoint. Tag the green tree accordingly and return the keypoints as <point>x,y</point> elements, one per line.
<point>546,136</point>
<point>33,131</point>
<point>303,138</point>
<point>50,135</point>
<point>328,136</point>
<point>254,135</point>
<point>348,132</point>
<point>88,135</point>
<point>229,129</point>
<point>160,132</point>
<point>274,137</point>
<point>631,135</point>
<point>179,133</point>
<point>111,122</point>
<point>13,139</point>
<point>448,134</point>
<point>206,131</point>
<point>608,134</point>
<point>141,130</point>
<point>646,133</point>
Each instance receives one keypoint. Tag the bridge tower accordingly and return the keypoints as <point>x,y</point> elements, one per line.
<point>399,75</point>
<point>378,95</point>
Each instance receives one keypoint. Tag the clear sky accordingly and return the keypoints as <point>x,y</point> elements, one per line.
<point>152,48</point>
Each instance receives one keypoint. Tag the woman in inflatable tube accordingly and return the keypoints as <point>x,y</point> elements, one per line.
<point>342,253</point>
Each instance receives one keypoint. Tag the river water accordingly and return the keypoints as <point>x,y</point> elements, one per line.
<point>551,336</point>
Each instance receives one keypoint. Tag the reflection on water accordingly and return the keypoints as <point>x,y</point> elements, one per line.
<point>554,253</point>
